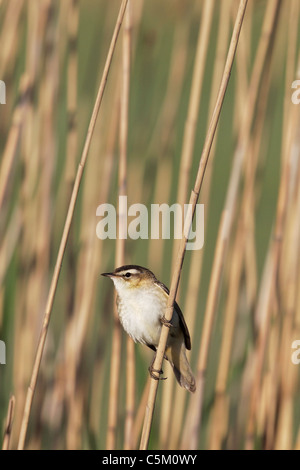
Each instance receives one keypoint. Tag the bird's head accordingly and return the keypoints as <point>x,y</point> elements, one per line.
<point>131,277</point>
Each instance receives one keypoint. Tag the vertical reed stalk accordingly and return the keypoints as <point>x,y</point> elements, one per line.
<point>194,281</point>
<point>186,163</point>
<point>226,222</point>
<point>13,136</point>
<point>130,357</point>
<point>120,248</point>
<point>162,135</point>
<point>193,201</point>
<point>266,306</point>
<point>107,177</point>
<point>64,239</point>
<point>9,423</point>
<point>8,36</point>
<point>238,259</point>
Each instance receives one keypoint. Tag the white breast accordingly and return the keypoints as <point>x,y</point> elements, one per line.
<point>140,311</point>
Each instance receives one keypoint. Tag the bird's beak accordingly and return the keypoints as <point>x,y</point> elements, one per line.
<point>107,274</point>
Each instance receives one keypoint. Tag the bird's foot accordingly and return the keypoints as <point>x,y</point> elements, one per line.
<point>153,373</point>
<point>166,322</point>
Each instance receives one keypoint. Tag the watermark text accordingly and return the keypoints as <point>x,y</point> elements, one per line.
<point>295,357</point>
<point>2,353</point>
<point>296,94</point>
<point>154,223</point>
<point>2,92</point>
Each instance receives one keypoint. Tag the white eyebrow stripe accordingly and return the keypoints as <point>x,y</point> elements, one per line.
<point>131,271</point>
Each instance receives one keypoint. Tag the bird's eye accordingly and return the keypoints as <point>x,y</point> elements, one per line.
<point>127,275</point>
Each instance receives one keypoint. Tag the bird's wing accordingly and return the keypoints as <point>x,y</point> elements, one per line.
<point>183,325</point>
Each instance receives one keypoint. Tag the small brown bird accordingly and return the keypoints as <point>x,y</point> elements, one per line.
<point>141,303</point>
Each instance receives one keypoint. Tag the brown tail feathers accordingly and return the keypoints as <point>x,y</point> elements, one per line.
<point>176,355</point>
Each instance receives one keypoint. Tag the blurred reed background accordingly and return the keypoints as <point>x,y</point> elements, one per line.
<point>240,294</point>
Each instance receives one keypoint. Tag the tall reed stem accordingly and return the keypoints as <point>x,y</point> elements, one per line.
<point>64,239</point>
<point>193,201</point>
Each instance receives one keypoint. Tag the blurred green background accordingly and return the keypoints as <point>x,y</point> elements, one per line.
<point>70,407</point>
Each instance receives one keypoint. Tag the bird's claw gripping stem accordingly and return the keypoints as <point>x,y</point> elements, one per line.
<point>153,371</point>
<point>166,322</point>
